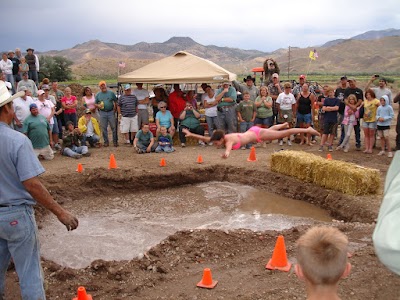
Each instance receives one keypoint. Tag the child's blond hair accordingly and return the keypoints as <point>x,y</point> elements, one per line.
<point>352,97</point>
<point>322,255</point>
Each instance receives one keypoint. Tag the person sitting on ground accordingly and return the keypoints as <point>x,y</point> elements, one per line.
<point>322,261</point>
<point>234,141</point>
<point>165,118</point>
<point>164,141</point>
<point>90,129</point>
<point>189,119</point>
<point>144,140</point>
<point>37,129</point>
<point>246,112</point>
<point>71,142</point>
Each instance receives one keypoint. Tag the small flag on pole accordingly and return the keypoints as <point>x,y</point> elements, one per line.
<point>121,65</point>
<point>313,55</point>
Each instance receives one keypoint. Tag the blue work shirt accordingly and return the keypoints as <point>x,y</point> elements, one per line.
<point>18,163</point>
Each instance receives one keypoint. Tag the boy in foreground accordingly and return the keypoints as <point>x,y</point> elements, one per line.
<point>322,261</point>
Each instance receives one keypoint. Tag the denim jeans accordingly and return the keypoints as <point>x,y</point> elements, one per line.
<point>19,240</point>
<point>34,76</point>
<point>227,119</point>
<point>212,124</point>
<point>70,117</point>
<point>74,150</point>
<point>91,139</point>
<point>244,126</point>
<point>108,117</point>
<point>144,146</point>
<point>166,149</point>
<point>197,130</point>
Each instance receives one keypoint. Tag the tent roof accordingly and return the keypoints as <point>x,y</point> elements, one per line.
<point>182,67</point>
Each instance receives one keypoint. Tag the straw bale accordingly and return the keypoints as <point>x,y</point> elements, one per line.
<point>337,175</point>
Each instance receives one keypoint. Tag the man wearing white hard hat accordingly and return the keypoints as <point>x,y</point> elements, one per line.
<point>20,190</point>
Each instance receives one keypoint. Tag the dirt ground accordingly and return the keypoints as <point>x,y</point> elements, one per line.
<point>237,258</point>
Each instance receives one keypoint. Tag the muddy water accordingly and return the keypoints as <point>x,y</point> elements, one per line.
<point>121,228</point>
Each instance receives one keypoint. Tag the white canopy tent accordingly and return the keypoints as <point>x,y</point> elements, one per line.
<point>182,67</point>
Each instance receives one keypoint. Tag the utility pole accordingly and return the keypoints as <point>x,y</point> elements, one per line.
<point>288,66</point>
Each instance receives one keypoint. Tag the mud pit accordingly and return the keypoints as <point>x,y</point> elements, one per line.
<point>237,257</point>
<point>121,228</point>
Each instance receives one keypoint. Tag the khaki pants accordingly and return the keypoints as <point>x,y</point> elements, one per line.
<point>46,153</point>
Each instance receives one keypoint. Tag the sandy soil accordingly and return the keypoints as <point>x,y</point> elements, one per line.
<point>237,259</point>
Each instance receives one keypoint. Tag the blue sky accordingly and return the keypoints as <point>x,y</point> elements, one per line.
<point>253,24</point>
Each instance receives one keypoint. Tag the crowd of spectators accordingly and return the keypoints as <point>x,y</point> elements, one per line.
<point>172,109</point>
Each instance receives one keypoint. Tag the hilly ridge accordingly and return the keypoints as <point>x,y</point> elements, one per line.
<point>369,52</point>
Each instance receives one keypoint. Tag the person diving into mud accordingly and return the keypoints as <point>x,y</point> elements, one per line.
<point>234,141</point>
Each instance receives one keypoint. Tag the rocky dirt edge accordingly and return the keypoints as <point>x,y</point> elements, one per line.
<point>171,269</point>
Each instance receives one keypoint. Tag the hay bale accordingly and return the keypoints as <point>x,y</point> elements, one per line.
<point>337,175</point>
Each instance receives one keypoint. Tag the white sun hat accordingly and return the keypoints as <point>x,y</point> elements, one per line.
<point>5,95</point>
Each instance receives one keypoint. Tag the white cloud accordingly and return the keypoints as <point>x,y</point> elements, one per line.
<point>257,24</point>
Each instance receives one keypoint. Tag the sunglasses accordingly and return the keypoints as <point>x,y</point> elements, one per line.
<point>163,107</point>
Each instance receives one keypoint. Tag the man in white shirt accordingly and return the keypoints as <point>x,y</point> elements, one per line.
<point>143,98</point>
<point>46,108</point>
<point>21,109</point>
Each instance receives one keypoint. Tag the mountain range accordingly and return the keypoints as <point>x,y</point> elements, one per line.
<point>370,52</point>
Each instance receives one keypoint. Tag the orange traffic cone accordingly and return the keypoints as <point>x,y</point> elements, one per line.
<point>207,281</point>
<point>329,156</point>
<point>163,163</point>
<point>113,162</point>
<point>80,168</point>
<point>252,156</point>
<point>200,159</point>
<point>279,259</point>
<point>82,294</point>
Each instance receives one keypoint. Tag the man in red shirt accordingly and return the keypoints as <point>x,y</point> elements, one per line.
<point>176,103</point>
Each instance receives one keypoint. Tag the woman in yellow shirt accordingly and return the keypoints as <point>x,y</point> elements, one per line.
<point>369,119</point>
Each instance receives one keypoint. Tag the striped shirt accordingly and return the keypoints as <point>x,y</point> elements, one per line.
<point>128,105</point>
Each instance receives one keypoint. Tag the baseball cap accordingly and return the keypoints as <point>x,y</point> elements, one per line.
<point>127,87</point>
<point>102,82</point>
<point>40,92</point>
<point>33,105</point>
<point>275,75</point>
<point>88,111</point>
<point>45,87</point>
<point>23,88</point>
<point>302,76</point>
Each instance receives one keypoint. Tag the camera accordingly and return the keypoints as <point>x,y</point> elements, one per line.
<point>376,75</point>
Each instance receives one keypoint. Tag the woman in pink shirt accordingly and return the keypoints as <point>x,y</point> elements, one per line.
<point>88,101</point>
<point>69,104</point>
